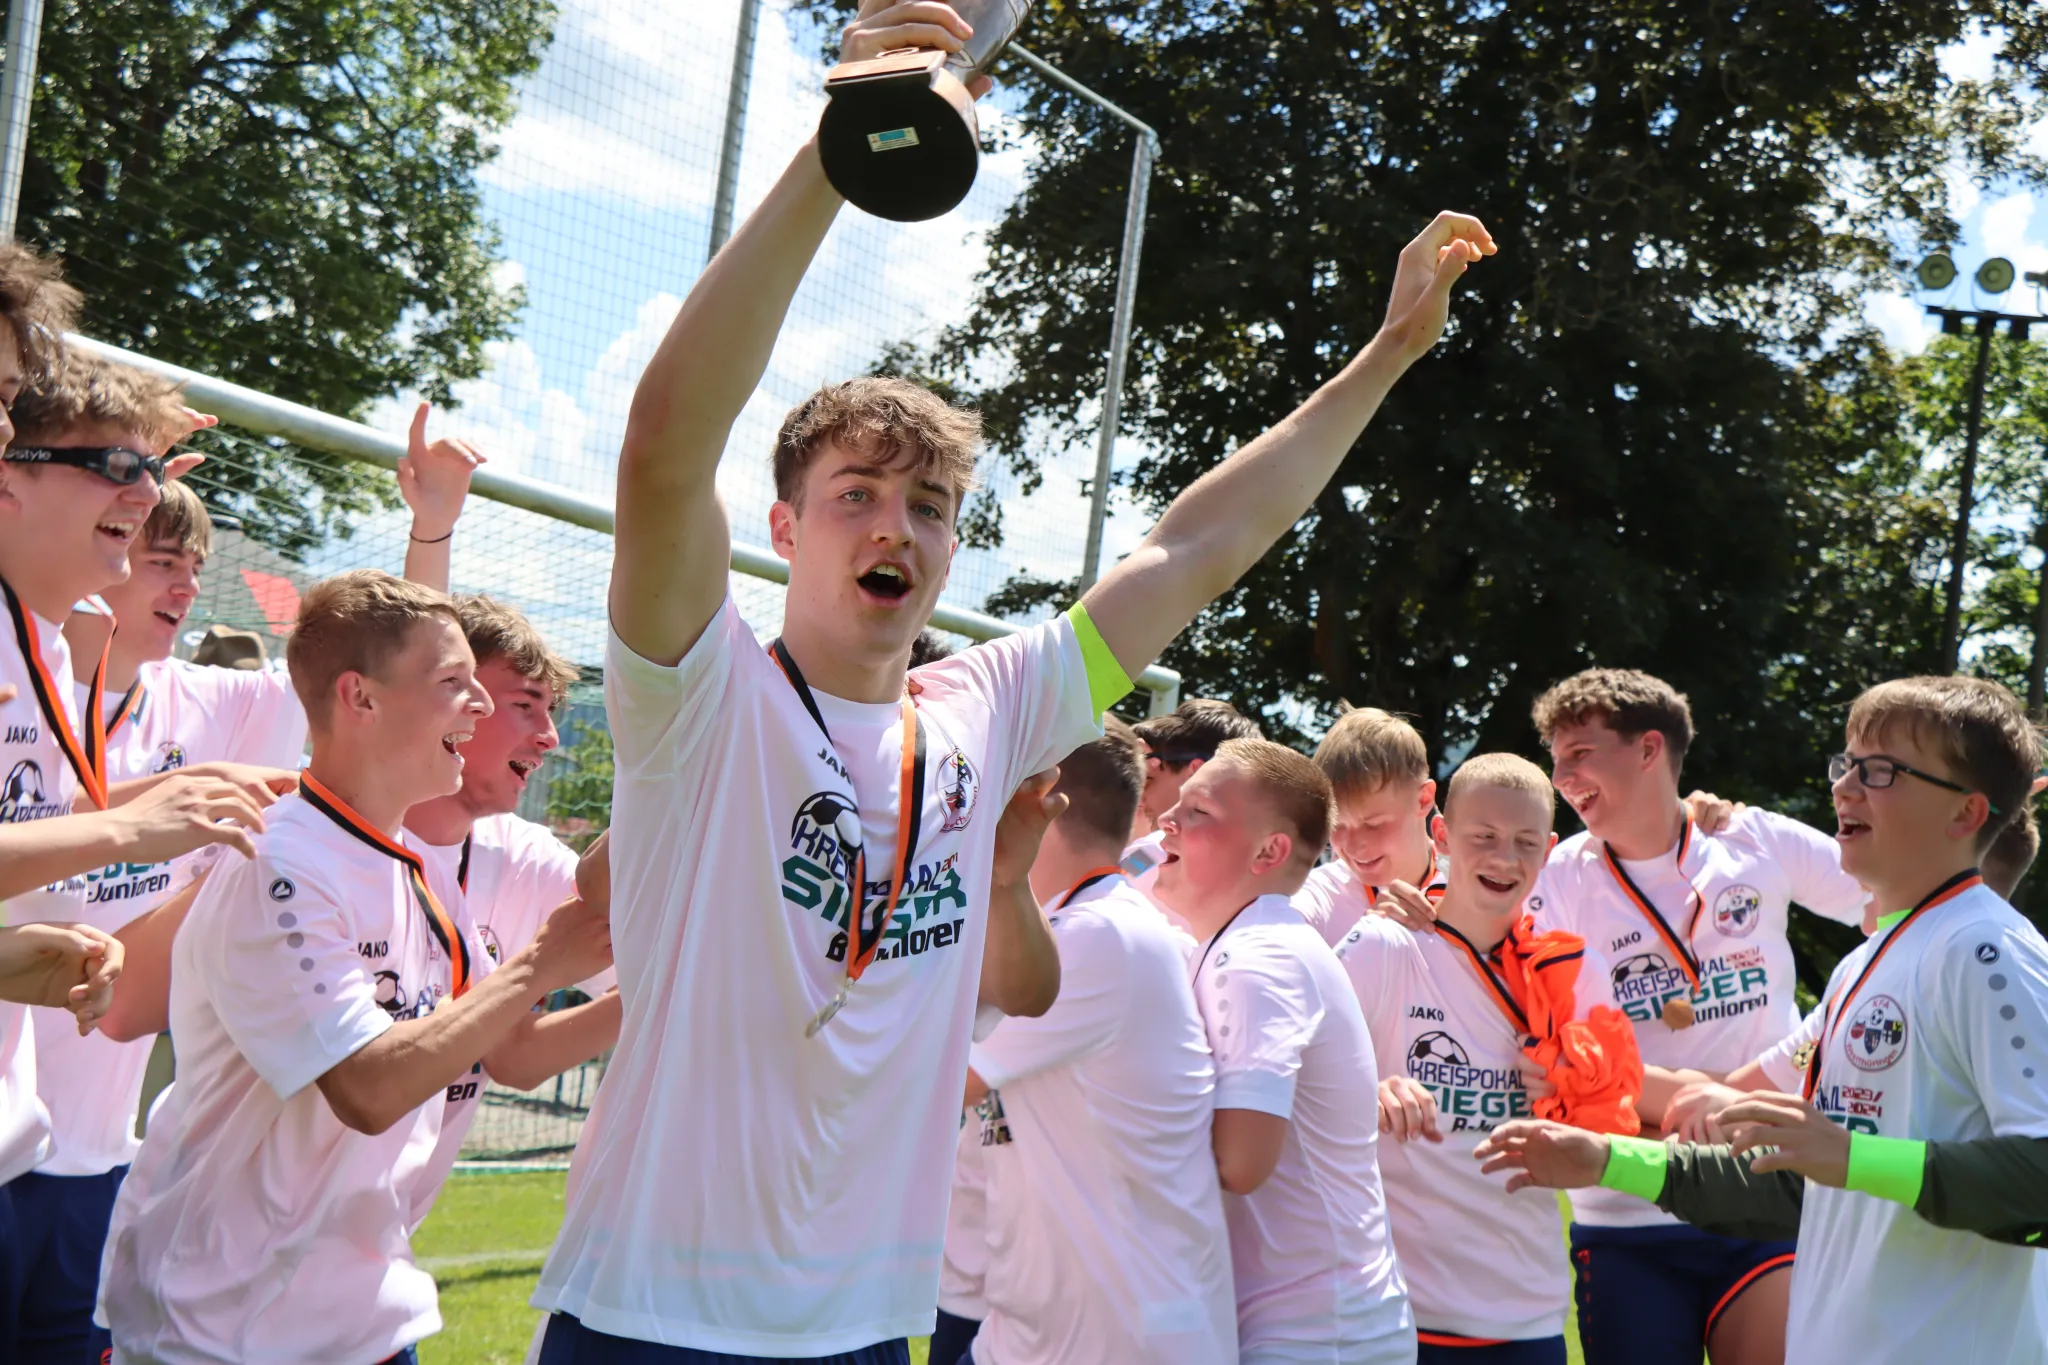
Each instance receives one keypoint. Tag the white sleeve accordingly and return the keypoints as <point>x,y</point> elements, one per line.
<point>1549,901</point>
<point>279,963</point>
<point>1085,1019</point>
<point>1780,1062</point>
<point>1260,1023</point>
<point>1595,985</point>
<point>1036,683</point>
<point>548,867</point>
<point>662,715</point>
<point>1813,864</point>
<point>1322,901</point>
<point>255,715</point>
<point>1990,989</point>
<point>1368,953</point>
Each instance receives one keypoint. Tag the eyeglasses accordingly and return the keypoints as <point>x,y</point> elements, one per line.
<point>115,464</point>
<point>1176,758</point>
<point>1878,773</point>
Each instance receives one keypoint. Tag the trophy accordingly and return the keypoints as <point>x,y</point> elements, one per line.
<point>899,137</point>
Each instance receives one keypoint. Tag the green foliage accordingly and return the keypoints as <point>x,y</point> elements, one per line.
<point>282,193</point>
<point>580,793</point>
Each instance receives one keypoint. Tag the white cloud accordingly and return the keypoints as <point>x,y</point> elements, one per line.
<point>1902,321</point>
<point>1962,191</point>
<point>1970,59</point>
<point>2002,231</point>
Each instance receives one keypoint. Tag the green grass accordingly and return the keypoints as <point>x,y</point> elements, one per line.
<point>484,1242</point>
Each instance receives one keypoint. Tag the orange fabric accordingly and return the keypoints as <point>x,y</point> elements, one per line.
<point>1593,1061</point>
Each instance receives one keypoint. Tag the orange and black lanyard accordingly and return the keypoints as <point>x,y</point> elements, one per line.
<point>462,867</point>
<point>1681,948</point>
<point>1483,964</point>
<point>1094,875</point>
<point>320,798</point>
<point>131,702</point>
<point>864,941</point>
<point>1837,1008</point>
<point>88,757</point>
<point>1431,889</point>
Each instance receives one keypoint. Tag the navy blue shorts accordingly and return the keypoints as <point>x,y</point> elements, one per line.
<point>953,1339</point>
<point>1448,1348</point>
<point>1651,1296</point>
<point>60,1228</point>
<point>569,1342</point>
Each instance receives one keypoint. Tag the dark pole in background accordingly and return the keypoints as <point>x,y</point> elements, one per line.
<point>1959,543</point>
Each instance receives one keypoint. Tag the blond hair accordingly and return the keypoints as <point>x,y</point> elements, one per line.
<point>883,419</point>
<point>1369,748</point>
<point>355,622</point>
<point>1979,728</point>
<point>1509,772</point>
<point>84,389</point>
<point>179,519</point>
<point>1628,699</point>
<point>1297,790</point>
<point>38,305</point>
<point>496,631</point>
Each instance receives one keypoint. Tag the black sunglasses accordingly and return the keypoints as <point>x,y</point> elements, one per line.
<point>115,464</point>
<point>1178,758</point>
<point>1877,773</point>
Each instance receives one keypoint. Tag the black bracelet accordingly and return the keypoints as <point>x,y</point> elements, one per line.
<point>435,541</point>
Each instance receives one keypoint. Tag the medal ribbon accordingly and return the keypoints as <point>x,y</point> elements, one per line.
<point>1432,889</point>
<point>1681,948</point>
<point>462,867</point>
<point>1837,1009</point>
<point>862,944</point>
<point>88,757</point>
<point>1093,875</point>
<point>320,798</point>
<point>1481,963</point>
<point>131,702</point>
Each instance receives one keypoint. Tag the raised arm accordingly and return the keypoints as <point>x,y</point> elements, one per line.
<point>1223,522</point>
<point>433,478</point>
<point>673,544</point>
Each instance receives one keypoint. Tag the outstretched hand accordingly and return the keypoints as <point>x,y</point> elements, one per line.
<point>434,478</point>
<point>887,25</point>
<point>1788,1134</point>
<point>1551,1156</point>
<point>1430,267</point>
<point>1025,820</point>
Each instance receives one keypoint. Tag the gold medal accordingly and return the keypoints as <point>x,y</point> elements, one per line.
<point>1678,1013</point>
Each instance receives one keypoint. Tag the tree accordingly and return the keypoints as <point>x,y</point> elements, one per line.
<point>282,194</point>
<point>1657,434</point>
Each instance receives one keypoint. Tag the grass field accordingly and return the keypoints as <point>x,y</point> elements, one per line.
<point>484,1244</point>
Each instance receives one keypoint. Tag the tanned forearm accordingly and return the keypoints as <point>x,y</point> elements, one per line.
<point>1020,964</point>
<point>36,853</point>
<point>549,1044</point>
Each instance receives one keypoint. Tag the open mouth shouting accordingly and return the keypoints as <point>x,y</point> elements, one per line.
<point>1848,828</point>
<point>888,582</point>
<point>453,741</point>
<point>522,768</point>
<point>120,532</point>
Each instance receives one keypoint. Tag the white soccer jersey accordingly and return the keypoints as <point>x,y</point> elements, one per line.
<point>253,1224</point>
<point>1784,1062</point>
<point>963,1271</point>
<point>1312,1256</point>
<point>37,781</point>
<point>1479,1262</point>
<point>1746,877</point>
<point>731,817</point>
<point>1333,899</point>
<point>176,715</point>
<point>1106,1239</point>
<point>1946,1040</point>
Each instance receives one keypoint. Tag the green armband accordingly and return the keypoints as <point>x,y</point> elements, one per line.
<point>1635,1166</point>
<point>1108,684</point>
<point>1890,1168</point>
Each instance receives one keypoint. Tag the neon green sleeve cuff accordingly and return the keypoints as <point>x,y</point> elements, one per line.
<point>1890,1168</point>
<point>1635,1166</point>
<point>1108,684</point>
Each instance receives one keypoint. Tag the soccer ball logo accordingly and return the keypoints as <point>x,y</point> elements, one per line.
<point>390,995</point>
<point>1436,1049</point>
<point>1637,967</point>
<point>24,787</point>
<point>1737,910</point>
<point>1877,1034</point>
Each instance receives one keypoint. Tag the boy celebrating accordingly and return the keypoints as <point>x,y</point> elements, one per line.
<point>1694,925</point>
<point>1105,1234</point>
<point>1379,769</point>
<point>1915,1167</point>
<point>1175,748</point>
<point>1296,1127</point>
<point>804,841</point>
<point>323,998</point>
<point>1455,1015</point>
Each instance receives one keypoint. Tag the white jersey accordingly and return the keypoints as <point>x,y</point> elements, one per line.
<point>1310,1249</point>
<point>254,1225</point>
<point>1784,1062</point>
<point>963,1272</point>
<point>1334,898</point>
<point>176,715</point>
<point>1945,1041</point>
<point>732,818</point>
<point>1746,878</point>
<point>1106,1239</point>
<point>1479,1262</point>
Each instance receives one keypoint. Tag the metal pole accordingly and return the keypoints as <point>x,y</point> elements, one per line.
<point>1119,351</point>
<point>17,98</point>
<point>1959,543</point>
<point>735,125</point>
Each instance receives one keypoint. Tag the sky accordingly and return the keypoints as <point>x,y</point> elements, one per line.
<point>603,194</point>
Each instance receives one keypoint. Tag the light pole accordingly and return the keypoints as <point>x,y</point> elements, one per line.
<point>1994,277</point>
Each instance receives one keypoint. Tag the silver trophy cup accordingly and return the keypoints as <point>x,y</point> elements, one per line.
<point>899,137</point>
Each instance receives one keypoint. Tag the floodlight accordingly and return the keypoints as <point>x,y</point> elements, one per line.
<point>1937,271</point>
<point>1996,275</point>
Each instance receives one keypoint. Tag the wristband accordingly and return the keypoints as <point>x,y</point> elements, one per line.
<point>1890,1168</point>
<point>1108,684</point>
<point>1635,1166</point>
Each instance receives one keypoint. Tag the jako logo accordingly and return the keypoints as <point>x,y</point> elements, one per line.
<point>23,734</point>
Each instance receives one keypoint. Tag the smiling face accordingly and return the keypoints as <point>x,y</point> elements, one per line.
<point>162,584</point>
<point>1899,840</point>
<point>423,704</point>
<point>869,543</point>
<point>509,743</point>
<point>1222,840</point>
<point>1383,835</point>
<point>1496,839</point>
<point>1605,775</point>
<point>74,525</point>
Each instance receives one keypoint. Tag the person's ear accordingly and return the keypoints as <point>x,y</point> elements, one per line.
<point>1971,816</point>
<point>1652,748</point>
<point>352,699</point>
<point>1440,834</point>
<point>782,519</point>
<point>1425,797</point>
<point>1273,851</point>
<point>1551,845</point>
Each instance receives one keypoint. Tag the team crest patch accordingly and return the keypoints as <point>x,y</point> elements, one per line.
<point>1877,1034</point>
<point>490,941</point>
<point>1737,909</point>
<point>282,889</point>
<point>959,787</point>
<point>1802,1056</point>
<point>170,754</point>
